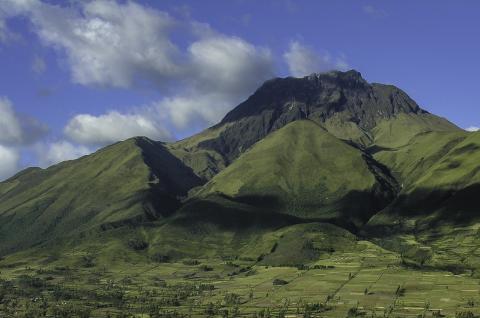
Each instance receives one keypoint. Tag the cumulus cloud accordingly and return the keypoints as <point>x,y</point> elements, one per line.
<point>9,158</point>
<point>229,64</point>
<point>195,110</point>
<point>16,129</point>
<point>303,60</point>
<point>221,71</point>
<point>472,128</point>
<point>113,126</point>
<point>224,70</point>
<point>55,152</point>
<point>121,44</point>
<point>106,42</point>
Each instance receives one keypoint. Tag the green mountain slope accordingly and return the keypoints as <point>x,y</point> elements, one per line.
<point>410,161</point>
<point>132,181</point>
<point>440,176</point>
<point>303,170</point>
<point>399,130</point>
<point>435,215</point>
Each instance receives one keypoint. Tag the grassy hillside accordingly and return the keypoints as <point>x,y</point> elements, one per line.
<point>410,161</point>
<point>399,130</point>
<point>304,171</point>
<point>435,216</point>
<point>438,172</point>
<point>203,161</point>
<point>450,186</point>
<point>127,182</point>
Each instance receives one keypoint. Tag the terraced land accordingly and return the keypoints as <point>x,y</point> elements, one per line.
<point>372,282</point>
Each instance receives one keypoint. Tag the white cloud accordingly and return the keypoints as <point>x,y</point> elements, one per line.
<point>303,60</point>
<point>196,110</point>
<point>106,42</point>
<point>221,72</point>
<point>113,126</point>
<point>9,159</point>
<point>120,44</point>
<point>224,70</point>
<point>38,65</point>
<point>472,128</point>
<point>229,65</point>
<point>16,129</point>
<point>55,152</point>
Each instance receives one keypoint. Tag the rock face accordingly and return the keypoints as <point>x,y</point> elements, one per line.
<point>319,97</point>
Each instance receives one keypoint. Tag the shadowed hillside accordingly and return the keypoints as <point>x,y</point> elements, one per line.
<point>132,181</point>
<point>303,170</point>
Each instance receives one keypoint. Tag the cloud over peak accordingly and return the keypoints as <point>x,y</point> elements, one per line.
<point>303,60</point>
<point>229,64</point>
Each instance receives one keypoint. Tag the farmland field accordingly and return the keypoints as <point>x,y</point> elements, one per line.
<point>371,282</point>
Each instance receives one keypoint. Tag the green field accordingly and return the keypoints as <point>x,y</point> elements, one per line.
<point>368,281</point>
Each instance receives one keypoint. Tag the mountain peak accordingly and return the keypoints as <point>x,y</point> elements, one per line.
<point>325,94</point>
<point>343,102</point>
<point>345,75</point>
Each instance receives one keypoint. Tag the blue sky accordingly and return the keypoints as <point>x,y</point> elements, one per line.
<point>78,75</point>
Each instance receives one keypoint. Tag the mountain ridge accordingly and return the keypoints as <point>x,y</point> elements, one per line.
<point>331,99</point>
<point>330,135</point>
